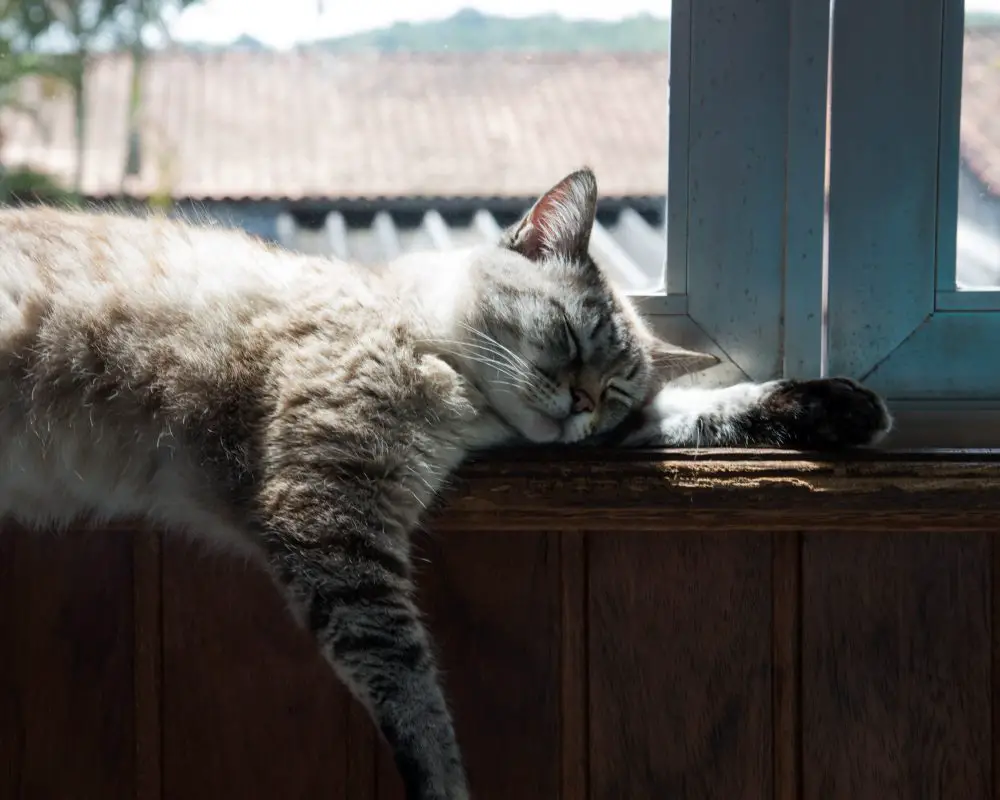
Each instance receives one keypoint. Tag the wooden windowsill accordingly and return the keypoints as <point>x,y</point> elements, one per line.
<point>769,489</point>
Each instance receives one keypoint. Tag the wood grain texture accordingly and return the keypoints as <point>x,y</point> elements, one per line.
<point>574,726</point>
<point>11,729</point>
<point>680,655</point>
<point>613,490</point>
<point>493,606</point>
<point>786,644</point>
<point>363,745</point>
<point>250,709</point>
<point>995,664</point>
<point>147,597</point>
<point>66,692</point>
<point>896,667</point>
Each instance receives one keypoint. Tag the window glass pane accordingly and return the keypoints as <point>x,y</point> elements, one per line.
<point>978,239</point>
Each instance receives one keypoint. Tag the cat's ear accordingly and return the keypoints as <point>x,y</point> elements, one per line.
<point>559,223</point>
<point>671,361</point>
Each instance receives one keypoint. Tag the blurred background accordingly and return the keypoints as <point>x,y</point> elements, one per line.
<point>361,130</point>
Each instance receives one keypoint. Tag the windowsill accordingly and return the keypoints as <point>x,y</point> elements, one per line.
<point>761,489</point>
<point>955,424</point>
<point>715,489</point>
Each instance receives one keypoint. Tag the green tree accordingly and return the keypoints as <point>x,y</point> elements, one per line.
<point>80,29</point>
<point>21,23</point>
<point>73,25</point>
<point>138,19</point>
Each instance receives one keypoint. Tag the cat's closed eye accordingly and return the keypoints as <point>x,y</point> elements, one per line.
<point>572,342</point>
<point>615,392</point>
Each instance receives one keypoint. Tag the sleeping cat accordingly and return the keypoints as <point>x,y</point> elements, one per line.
<point>307,411</point>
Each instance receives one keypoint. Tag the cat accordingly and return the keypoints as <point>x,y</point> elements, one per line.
<point>306,411</point>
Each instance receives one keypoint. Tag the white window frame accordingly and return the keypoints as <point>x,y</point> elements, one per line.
<point>895,159</point>
<point>746,155</point>
<point>746,189</point>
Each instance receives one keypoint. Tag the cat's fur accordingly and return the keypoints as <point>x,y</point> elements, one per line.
<point>308,411</point>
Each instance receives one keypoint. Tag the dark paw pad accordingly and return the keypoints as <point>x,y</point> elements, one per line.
<point>830,413</point>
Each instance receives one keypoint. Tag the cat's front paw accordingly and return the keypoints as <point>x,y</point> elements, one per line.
<point>829,413</point>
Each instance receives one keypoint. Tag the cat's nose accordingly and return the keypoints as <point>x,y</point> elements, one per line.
<point>582,402</point>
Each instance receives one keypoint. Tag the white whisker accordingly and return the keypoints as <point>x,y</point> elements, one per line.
<point>497,360</point>
<point>489,339</point>
<point>516,379</point>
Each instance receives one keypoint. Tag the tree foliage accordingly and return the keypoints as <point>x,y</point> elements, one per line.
<point>59,38</point>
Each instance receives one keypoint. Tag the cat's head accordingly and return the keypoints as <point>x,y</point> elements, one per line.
<point>559,352</point>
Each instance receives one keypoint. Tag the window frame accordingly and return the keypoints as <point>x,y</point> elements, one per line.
<point>745,247</point>
<point>895,158</point>
<point>716,118</point>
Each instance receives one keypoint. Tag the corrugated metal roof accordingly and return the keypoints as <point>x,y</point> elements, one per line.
<point>627,242</point>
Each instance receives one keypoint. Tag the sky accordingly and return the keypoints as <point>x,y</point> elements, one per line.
<point>282,23</point>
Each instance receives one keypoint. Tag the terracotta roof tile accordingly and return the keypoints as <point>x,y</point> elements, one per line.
<point>301,125</point>
<point>981,105</point>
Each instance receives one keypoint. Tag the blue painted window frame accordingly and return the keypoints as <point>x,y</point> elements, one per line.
<point>751,272</point>
<point>895,319</point>
<point>746,140</point>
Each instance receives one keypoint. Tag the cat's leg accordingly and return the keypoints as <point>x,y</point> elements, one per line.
<point>352,589</point>
<point>820,414</point>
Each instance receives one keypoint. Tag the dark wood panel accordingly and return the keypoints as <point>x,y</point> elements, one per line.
<point>66,693</point>
<point>250,709</point>
<point>896,666</point>
<point>680,678</point>
<point>575,726</point>
<point>995,661</point>
<point>786,637</point>
<point>147,574</point>
<point>492,603</point>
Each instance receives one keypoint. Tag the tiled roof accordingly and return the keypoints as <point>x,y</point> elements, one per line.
<point>316,125</point>
<point>981,105</point>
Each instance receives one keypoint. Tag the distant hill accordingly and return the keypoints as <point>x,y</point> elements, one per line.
<point>981,19</point>
<point>247,42</point>
<point>244,43</point>
<point>472,31</point>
